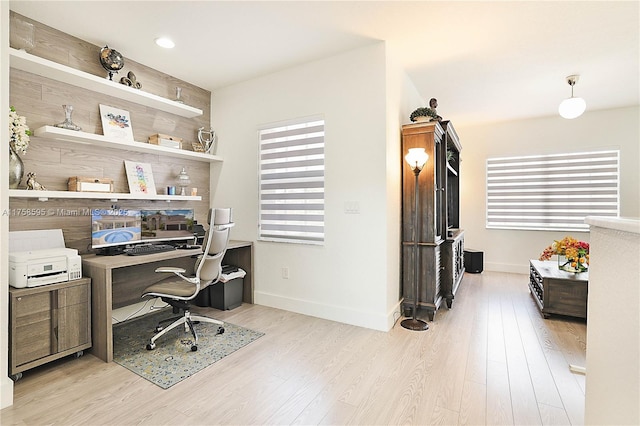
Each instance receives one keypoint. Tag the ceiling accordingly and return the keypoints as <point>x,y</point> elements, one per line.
<point>483,61</point>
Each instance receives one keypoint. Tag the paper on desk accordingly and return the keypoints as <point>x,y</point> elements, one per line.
<point>233,275</point>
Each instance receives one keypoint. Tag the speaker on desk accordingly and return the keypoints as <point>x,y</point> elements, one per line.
<point>473,260</point>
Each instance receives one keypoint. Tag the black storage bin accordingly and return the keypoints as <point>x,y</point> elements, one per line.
<point>202,299</point>
<point>473,261</point>
<point>226,295</point>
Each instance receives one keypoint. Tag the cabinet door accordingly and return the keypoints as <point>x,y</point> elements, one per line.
<point>32,326</point>
<point>73,317</point>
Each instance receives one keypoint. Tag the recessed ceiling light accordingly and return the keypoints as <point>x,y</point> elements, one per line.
<point>165,42</point>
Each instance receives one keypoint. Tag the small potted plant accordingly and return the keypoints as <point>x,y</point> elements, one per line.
<point>423,114</point>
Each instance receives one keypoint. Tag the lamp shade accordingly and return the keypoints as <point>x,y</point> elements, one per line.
<point>572,107</point>
<point>416,158</point>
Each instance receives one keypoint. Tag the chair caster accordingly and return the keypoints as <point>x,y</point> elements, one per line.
<point>194,348</point>
<point>78,354</point>
<point>16,377</point>
<point>151,346</point>
<point>220,330</point>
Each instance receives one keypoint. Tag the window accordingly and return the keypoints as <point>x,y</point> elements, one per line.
<point>292,182</point>
<point>552,192</point>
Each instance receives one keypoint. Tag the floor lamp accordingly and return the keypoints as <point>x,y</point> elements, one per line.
<point>416,159</point>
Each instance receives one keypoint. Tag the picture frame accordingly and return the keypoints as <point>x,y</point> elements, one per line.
<point>140,178</point>
<point>197,147</point>
<point>116,123</point>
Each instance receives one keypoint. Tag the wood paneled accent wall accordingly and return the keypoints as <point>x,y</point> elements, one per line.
<point>41,99</point>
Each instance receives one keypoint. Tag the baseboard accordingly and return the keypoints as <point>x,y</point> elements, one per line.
<point>6,392</point>
<point>329,312</point>
<point>507,267</point>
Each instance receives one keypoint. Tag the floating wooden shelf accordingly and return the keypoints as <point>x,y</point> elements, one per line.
<point>106,142</point>
<point>24,61</point>
<point>114,196</point>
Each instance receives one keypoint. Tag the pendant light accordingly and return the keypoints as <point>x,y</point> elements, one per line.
<point>572,107</point>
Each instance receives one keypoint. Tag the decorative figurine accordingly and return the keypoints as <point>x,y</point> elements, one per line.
<point>131,81</point>
<point>33,184</point>
<point>207,139</point>
<point>111,60</point>
<point>67,123</point>
<point>433,104</point>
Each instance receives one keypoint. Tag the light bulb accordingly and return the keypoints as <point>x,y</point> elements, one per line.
<point>572,107</point>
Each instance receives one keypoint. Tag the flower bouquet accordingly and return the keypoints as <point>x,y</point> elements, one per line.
<point>573,255</point>
<point>19,132</point>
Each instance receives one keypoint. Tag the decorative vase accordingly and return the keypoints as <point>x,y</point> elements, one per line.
<point>572,265</point>
<point>179,95</point>
<point>67,123</point>
<point>16,169</point>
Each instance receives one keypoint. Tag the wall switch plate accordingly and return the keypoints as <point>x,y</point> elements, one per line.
<point>352,207</point>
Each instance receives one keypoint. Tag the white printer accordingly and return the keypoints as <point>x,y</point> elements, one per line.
<point>47,266</point>
<point>40,257</point>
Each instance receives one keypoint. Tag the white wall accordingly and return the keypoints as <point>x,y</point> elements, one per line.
<point>508,250</point>
<point>6,385</point>
<point>402,98</point>
<point>612,393</point>
<point>350,277</point>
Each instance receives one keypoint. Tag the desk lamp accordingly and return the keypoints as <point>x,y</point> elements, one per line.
<point>416,158</point>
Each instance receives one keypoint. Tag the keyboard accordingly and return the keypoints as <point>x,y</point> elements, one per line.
<point>141,250</point>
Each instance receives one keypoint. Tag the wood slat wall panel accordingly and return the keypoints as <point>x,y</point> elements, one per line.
<point>40,99</point>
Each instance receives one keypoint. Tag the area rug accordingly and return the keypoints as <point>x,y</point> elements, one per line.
<point>172,360</point>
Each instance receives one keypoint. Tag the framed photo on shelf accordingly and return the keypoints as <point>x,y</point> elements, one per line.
<point>197,147</point>
<point>140,178</point>
<point>116,123</point>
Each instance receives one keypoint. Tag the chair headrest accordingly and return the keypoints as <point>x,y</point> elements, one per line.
<point>220,216</point>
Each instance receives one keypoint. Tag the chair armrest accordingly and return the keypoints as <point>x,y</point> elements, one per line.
<point>171,269</point>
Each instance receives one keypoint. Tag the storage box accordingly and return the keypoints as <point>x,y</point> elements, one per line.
<point>226,295</point>
<point>89,184</point>
<point>166,140</point>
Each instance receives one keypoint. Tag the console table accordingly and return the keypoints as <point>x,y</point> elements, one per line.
<point>556,291</point>
<point>118,281</point>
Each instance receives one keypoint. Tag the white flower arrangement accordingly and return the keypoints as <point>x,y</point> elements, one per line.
<point>20,132</point>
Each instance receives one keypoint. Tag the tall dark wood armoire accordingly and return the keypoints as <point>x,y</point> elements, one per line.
<point>437,238</point>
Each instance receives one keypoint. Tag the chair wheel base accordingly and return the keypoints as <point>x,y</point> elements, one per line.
<point>194,348</point>
<point>151,346</point>
<point>220,330</point>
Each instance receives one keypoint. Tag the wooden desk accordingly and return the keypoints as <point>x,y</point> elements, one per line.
<point>118,281</point>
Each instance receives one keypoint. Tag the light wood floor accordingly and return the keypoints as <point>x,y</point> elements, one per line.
<point>491,359</point>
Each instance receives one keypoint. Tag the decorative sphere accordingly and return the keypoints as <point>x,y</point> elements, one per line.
<point>111,60</point>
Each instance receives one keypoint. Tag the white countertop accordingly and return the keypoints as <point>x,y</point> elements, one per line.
<point>626,224</point>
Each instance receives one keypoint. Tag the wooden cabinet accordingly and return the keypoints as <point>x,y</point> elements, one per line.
<point>435,236</point>
<point>558,292</point>
<point>47,323</point>
<point>453,265</point>
<point>453,247</point>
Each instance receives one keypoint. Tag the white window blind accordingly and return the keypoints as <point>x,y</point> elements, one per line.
<point>292,182</point>
<point>552,192</point>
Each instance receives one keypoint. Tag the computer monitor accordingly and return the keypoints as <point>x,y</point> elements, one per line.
<point>115,227</point>
<point>167,225</point>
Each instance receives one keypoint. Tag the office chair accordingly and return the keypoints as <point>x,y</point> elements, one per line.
<point>179,290</point>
